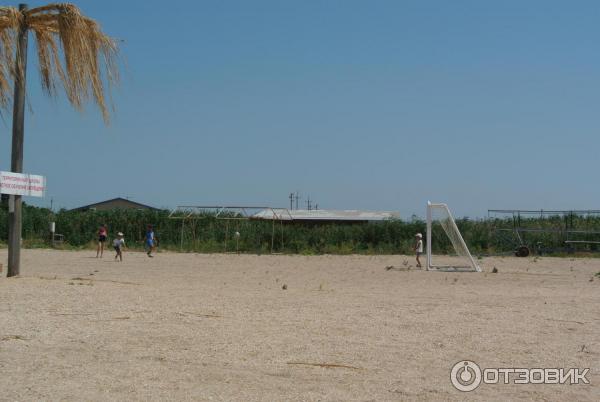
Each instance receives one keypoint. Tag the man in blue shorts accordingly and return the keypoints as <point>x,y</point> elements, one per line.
<point>149,242</point>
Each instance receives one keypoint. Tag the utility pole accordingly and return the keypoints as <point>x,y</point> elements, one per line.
<point>15,222</point>
<point>291,201</point>
<point>297,199</point>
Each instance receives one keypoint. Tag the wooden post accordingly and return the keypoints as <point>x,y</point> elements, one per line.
<point>226,234</point>
<point>273,236</point>
<point>182,225</point>
<point>282,242</point>
<point>14,215</point>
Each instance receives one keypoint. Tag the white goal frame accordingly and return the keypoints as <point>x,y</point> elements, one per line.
<point>430,267</point>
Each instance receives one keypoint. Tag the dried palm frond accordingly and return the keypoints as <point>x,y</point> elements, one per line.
<point>89,54</point>
<point>10,20</point>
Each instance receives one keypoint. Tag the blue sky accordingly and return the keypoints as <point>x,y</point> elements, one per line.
<point>377,105</point>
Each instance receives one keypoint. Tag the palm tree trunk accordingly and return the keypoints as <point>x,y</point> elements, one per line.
<point>15,203</point>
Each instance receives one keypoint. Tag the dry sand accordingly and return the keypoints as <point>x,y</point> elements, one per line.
<point>220,327</point>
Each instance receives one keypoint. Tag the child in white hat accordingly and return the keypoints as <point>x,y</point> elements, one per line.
<point>418,248</point>
<point>119,244</point>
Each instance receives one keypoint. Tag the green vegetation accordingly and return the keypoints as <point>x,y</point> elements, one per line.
<point>208,234</point>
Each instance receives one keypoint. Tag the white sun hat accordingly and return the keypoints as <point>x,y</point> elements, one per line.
<point>120,234</point>
<point>419,235</point>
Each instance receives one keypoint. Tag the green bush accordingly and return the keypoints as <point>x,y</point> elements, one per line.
<point>208,234</point>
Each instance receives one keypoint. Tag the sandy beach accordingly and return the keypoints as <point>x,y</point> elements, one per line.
<point>294,328</point>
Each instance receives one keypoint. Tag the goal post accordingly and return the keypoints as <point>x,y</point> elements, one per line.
<point>440,224</point>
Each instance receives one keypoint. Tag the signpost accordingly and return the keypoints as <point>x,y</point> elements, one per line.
<point>18,185</point>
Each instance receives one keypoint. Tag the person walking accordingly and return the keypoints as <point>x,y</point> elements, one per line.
<point>418,248</point>
<point>102,236</point>
<point>149,241</point>
<point>119,244</point>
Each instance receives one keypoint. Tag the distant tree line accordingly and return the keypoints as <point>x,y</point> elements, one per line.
<point>206,233</point>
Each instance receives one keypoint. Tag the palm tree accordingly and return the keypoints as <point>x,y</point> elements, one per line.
<point>88,60</point>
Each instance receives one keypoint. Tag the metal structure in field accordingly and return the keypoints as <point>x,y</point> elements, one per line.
<point>232,216</point>
<point>441,221</point>
<point>545,230</point>
<point>190,215</point>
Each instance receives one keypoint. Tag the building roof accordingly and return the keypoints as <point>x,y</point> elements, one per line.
<point>114,203</point>
<point>327,215</point>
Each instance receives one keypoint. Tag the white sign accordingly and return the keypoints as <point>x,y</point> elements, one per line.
<point>22,184</point>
